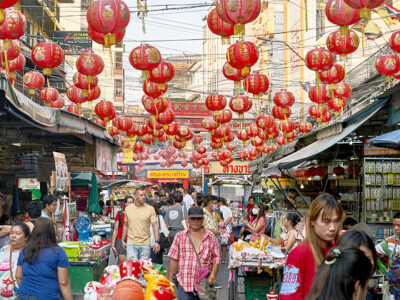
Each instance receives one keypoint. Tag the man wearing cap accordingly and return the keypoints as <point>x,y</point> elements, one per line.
<point>183,259</point>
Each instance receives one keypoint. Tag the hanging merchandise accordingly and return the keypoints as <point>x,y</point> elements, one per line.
<point>145,58</point>
<point>47,55</point>
<point>239,12</point>
<point>220,27</point>
<point>339,13</point>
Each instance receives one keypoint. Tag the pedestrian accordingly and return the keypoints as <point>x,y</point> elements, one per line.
<point>19,236</point>
<point>42,271</point>
<point>343,275</point>
<point>187,200</point>
<point>258,225</point>
<point>118,226</point>
<point>323,223</point>
<point>33,212</point>
<point>225,225</point>
<point>138,218</point>
<point>247,211</point>
<point>390,248</point>
<point>49,206</point>
<point>211,218</point>
<point>112,210</point>
<point>175,216</point>
<point>189,246</point>
<point>157,258</point>
<point>290,238</point>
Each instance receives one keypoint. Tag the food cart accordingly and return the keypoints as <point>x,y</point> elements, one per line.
<point>260,266</point>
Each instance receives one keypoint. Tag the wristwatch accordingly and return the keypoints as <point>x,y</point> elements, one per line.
<point>158,241</point>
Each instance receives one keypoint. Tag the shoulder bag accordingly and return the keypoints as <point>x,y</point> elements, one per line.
<point>164,242</point>
<point>206,291</point>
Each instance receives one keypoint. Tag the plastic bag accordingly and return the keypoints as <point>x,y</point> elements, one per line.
<point>112,259</point>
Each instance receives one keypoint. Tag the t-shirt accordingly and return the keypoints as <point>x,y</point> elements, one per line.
<point>121,224</point>
<point>226,212</point>
<point>40,278</point>
<point>139,219</point>
<point>263,223</point>
<point>5,285</point>
<point>44,215</point>
<point>174,217</point>
<point>188,202</point>
<point>211,220</point>
<point>298,274</point>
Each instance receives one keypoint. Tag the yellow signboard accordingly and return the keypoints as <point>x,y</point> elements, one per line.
<point>235,167</point>
<point>282,181</point>
<point>167,174</point>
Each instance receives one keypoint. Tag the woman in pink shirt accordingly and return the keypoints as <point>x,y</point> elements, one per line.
<point>257,226</point>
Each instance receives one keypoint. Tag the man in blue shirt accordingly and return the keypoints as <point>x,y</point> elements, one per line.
<point>49,206</point>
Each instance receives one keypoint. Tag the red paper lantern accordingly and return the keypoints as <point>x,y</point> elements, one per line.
<point>231,147</point>
<point>281,141</point>
<point>73,109</point>
<point>90,64</point>
<point>94,94</point>
<point>148,139</point>
<point>84,82</point>
<point>184,164</point>
<point>326,117</point>
<point>124,123</point>
<point>305,127</point>
<point>339,171</point>
<point>341,44</point>
<point>197,139</point>
<point>153,89</point>
<point>113,131</point>
<point>209,124</point>
<point>223,116</point>
<point>145,58</point>
<point>332,76</point>
<point>256,141</point>
<point>354,169</point>
<point>394,41</point>
<point>273,131</point>
<point>240,104</point>
<point>317,111</point>
<point>108,17</point>
<point>172,129</point>
<point>264,121</point>
<point>166,117</point>
<point>342,91</point>
<point>387,65</point>
<point>59,103</point>
<point>10,51</point>
<point>3,5</point>
<point>319,93</point>
<point>319,59</point>
<point>281,113</point>
<point>47,55</point>
<point>284,98</point>
<point>234,74</point>
<point>242,55</point>
<point>17,64</point>
<point>219,26</point>
<point>339,13</point>
<point>14,25</point>
<point>100,122</point>
<point>76,95</point>
<point>286,126</point>
<point>201,149</point>
<point>99,38</point>
<point>337,105</point>
<point>163,73</point>
<point>215,102</point>
<point>48,95</point>
<point>365,7</point>
<point>154,106</point>
<point>242,135</point>
<point>256,84</point>
<point>104,110</point>
<point>252,130</point>
<point>239,12</point>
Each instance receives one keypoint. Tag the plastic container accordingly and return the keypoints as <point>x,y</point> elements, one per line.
<point>72,249</point>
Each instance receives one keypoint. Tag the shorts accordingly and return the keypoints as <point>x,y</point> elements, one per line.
<point>120,249</point>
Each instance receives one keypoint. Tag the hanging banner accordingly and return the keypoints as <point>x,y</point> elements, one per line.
<point>190,109</point>
<point>62,180</point>
<point>167,174</point>
<point>73,42</point>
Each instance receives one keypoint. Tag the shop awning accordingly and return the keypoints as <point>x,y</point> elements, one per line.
<point>388,140</point>
<point>322,144</point>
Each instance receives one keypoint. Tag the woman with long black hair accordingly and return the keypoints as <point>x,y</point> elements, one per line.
<point>42,269</point>
<point>257,226</point>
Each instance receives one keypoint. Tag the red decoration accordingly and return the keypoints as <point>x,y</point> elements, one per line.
<point>100,122</point>
<point>90,64</point>
<point>273,131</point>
<point>215,102</point>
<point>47,55</point>
<point>219,26</point>
<point>48,94</point>
<point>73,108</point>
<point>339,171</point>
<point>234,74</point>
<point>154,106</point>
<point>76,95</point>
<point>124,123</point>
<point>12,49</point>
<point>223,116</point>
<point>256,84</point>
<point>286,126</point>
<point>94,93</point>
<point>342,91</point>
<point>59,103</point>
<point>210,124</point>
<point>163,73</point>
<point>394,41</point>
<point>319,93</point>
<point>317,112</point>
<point>14,25</point>
<point>387,65</point>
<point>108,17</point>
<point>252,130</point>
<point>284,98</point>
<point>242,55</point>
<point>337,105</point>
<point>341,44</point>
<point>332,76</point>
<point>319,59</point>
<point>264,121</point>
<point>339,13</point>
<point>281,113</point>
<point>165,118</point>
<point>239,12</point>
<point>172,129</point>
<point>153,89</point>
<point>83,82</point>
<point>281,141</point>
<point>354,169</point>
<point>145,58</point>
<point>365,7</point>
<point>197,139</point>
<point>305,127</point>
<point>240,104</point>
<point>184,163</point>
<point>104,110</point>
<point>99,38</point>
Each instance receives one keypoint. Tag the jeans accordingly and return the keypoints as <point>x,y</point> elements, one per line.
<point>182,295</point>
<point>137,252</point>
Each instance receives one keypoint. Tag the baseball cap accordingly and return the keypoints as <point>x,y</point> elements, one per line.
<point>195,212</point>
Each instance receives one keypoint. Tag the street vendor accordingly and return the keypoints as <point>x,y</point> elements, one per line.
<point>390,248</point>
<point>290,237</point>
<point>323,223</point>
<point>257,226</point>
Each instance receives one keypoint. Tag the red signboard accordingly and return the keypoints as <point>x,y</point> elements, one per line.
<point>191,109</point>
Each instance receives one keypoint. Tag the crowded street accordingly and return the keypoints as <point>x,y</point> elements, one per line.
<point>200,149</point>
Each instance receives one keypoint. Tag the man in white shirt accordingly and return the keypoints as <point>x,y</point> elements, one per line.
<point>188,201</point>
<point>227,215</point>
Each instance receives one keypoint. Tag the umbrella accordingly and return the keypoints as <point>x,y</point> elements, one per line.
<point>15,201</point>
<point>388,140</point>
<point>93,206</point>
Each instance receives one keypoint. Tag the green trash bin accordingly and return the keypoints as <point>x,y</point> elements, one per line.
<point>256,286</point>
<point>81,272</point>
